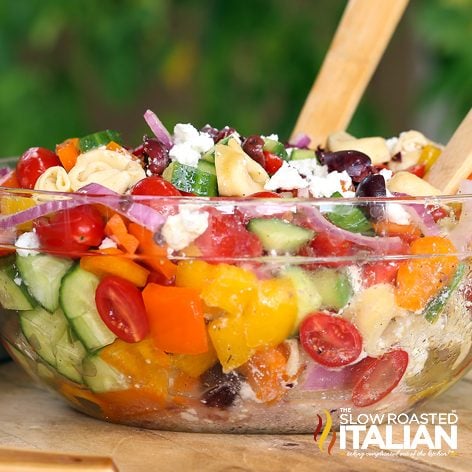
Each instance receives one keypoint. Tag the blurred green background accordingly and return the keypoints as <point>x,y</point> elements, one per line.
<point>68,68</point>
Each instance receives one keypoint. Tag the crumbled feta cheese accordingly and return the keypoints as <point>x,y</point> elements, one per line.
<point>293,361</point>
<point>107,243</point>
<point>182,229</point>
<point>189,144</point>
<point>395,213</point>
<point>17,280</point>
<point>247,393</point>
<point>354,273</point>
<point>185,154</point>
<point>391,144</point>
<point>286,178</point>
<point>309,168</point>
<point>334,182</point>
<point>26,242</point>
<point>386,174</point>
<point>274,137</point>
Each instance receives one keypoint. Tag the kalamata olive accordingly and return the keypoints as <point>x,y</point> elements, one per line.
<point>355,163</point>
<point>373,186</point>
<point>224,133</point>
<point>253,147</point>
<point>221,389</point>
<point>157,155</point>
<point>212,132</point>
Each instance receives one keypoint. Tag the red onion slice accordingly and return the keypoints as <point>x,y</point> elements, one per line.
<point>300,141</point>
<point>158,129</point>
<point>321,378</point>
<point>384,245</point>
<point>423,219</point>
<point>5,174</point>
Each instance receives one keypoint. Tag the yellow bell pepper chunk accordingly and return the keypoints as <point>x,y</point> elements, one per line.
<point>194,274</point>
<point>14,204</point>
<point>231,288</point>
<point>428,156</point>
<point>228,335</point>
<point>195,364</point>
<point>270,317</point>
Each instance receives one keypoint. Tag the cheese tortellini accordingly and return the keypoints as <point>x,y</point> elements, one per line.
<point>54,179</point>
<point>117,171</point>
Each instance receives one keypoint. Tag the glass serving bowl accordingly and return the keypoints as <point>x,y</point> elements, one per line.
<point>271,315</point>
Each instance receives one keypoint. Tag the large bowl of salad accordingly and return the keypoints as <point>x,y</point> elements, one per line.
<point>206,281</point>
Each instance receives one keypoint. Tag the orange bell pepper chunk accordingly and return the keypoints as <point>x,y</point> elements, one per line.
<point>420,279</point>
<point>266,373</point>
<point>408,232</point>
<point>151,253</point>
<point>116,229</point>
<point>120,266</point>
<point>68,152</point>
<point>176,319</point>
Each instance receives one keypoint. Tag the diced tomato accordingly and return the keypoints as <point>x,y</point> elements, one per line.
<point>265,194</point>
<point>379,272</point>
<point>272,162</point>
<point>330,340</point>
<point>121,307</point>
<point>325,245</point>
<point>418,169</point>
<point>227,236</point>
<point>156,186</point>
<point>379,377</point>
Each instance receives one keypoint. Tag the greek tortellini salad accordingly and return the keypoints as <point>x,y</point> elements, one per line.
<point>209,281</point>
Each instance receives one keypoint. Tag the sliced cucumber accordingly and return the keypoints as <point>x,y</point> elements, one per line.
<point>206,166</point>
<point>43,330</point>
<point>333,286</point>
<point>77,299</point>
<point>70,353</point>
<point>278,235</point>
<point>309,299</point>
<point>300,154</point>
<point>101,138</point>
<point>276,148</point>
<point>13,293</point>
<point>101,377</point>
<point>194,180</point>
<point>42,275</point>
<point>209,156</point>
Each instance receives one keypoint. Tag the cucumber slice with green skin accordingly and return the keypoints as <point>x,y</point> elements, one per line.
<point>309,299</point>
<point>101,138</point>
<point>301,154</point>
<point>209,156</point>
<point>42,274</point>
<point>43,330</point>
<point>276,148</point>
<point>333,286</point>
<point>101,377</point>
<point>77,299</point>
<point>70,353</point>
<point>206,166</point>
<point>278,235</point>
<point>13,293</point>
<point>436,305</point>
<point>194,180</point>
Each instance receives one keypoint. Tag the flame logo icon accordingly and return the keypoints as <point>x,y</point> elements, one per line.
<point>324,434</point>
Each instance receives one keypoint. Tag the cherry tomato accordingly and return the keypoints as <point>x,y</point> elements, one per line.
<point>272,162</point>
<point>121,307</point>
<point>33,163</point>
<point>379,378</point>
<point>265,194</point>
<point>227,236</point>
<point>71,230</point>
<point>379,272</point>
<point>156,186</point>
<point>330,340</point>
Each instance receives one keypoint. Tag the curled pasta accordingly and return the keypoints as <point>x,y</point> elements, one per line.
<point>54,179</point>
<point>115,170</point>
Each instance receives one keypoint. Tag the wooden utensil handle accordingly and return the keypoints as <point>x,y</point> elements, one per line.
<point>18,460</point>
<point>358,45</point>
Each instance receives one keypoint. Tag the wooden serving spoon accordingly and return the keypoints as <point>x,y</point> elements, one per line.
<point>360,41</point>
<point>17,460</point>
<point>455,163</point>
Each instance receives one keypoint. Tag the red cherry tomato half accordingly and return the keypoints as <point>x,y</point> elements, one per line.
<point>265,195</point>
<point>330,340</point>
<point>272,162</point>
<point>33,163</point>
<point>326,245</point>
<point>379,378</point>
<point>156,186</point>
<point>67,231</point>
<point>121,307</point>
<point>379,272</point>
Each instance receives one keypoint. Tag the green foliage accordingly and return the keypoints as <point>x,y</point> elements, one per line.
<point>68,68</point>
